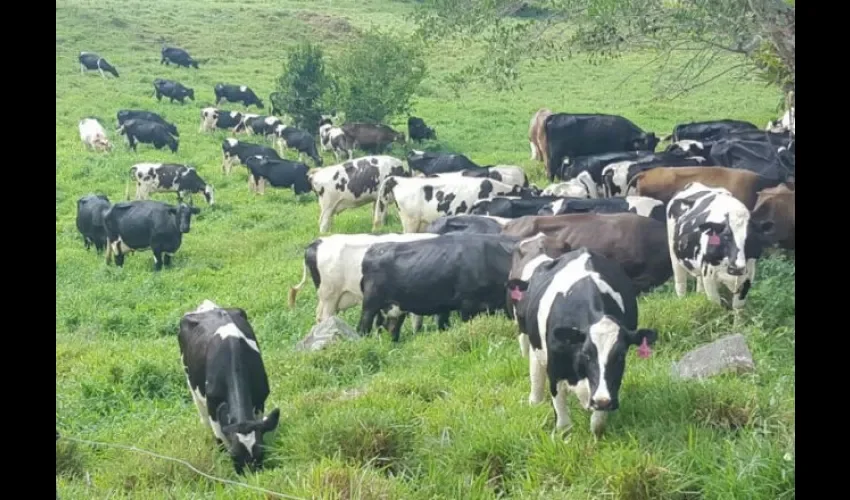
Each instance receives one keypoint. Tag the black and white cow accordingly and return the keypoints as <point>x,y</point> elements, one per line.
<point>784,124</point>
<point>177,56</point>
<point>763,158</point>
<point>92,61</point>
<point>508,174</point>
<point>299,140</point>
<point>145,132</point>
<point>132,114</point>
<point>236,93</point>
<point>213,118</point>
<point>261,125</point>
<point>571,168</point>
<point>279,173</point>
<point>452,272</point>
<point>226,376</point>
<point>711,237</point>
<point>90,213</point>
<point>476,224</point>
<point>174,91</point>
<point>138,225</point>
<point>93,134</point>
<point>711,130</point>
<point>511,207</point>
<point>168,177</point>
<point>333,138</point>
<point>640,205</point>
<point>418,131</point>
<point>579,313</point>
<point>351,184</point>
<point>616,178</point>
<point>234,150</point>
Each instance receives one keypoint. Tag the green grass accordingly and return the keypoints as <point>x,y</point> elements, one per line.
<point>440,415</point>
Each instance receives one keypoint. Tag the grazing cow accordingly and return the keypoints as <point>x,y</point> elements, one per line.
<point>421,201</point>
<point>92,61</point>
<point>579,313</point>
<point>133,114</point>
<point>418,131</point>
<point>571,135</point>
<point>334,263</point>
<point>760,157</point>
<point>429,163</point>
<point>334,139</point>
<point>177,56</point>
<point>145,132</point>
<point>351,184</point>
<point>371,137</point>
<point>90,212</point>
<point>640,205</point>
<point>593,164</point>
<point>778,204</point>
<point>236,93</point>
<point>663,183</point>
<point>536,136</point>
<point>580,187</point>
<point>476,224</point>
<point>138,225</point>
<point>712,238</point>
<point>507,174</point>
<point>299,140</point>
<point>253,124</point>
<point>227,379</point>
<point>233,150</point>
<point>784,124</point>
<point>510,207</point>
<point>711,130</point>
<point>617,176</point>
<point>93,134</point>
<point>212,118</point>
<point>280,173</point>
<point>452,272</point>
<point>174,91</point>
<point>168,177</point>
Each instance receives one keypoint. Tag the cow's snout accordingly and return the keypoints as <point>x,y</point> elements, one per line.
<point>602,404</point>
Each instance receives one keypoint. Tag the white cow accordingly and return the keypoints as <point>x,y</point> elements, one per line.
<point>93,135</point>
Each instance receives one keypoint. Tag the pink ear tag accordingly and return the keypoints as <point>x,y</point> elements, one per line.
<point>643,350</point>
<point>516,293</point>
<point>714,239</point>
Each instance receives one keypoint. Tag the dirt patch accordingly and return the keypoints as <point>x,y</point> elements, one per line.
<point>333,26</point>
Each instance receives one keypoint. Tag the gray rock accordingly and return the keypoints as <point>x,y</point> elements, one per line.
<point>727,354</point>
<point>324,333</point>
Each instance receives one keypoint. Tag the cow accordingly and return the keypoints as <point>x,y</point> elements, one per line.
<point>708,130</point>
<point>711,237</point>
<point>593,164</point>
<point>236,93</point>
<point>146,132</point>
<point>780,138</point>
<point>351,184</point>
<point>299,140</point>
<point>510,207</point>
<point>177,56</point>
<point>783,124</point>
<point>536,136</point>
<point>90,212</point>
<point>334,263</point>
<point>280,173</point>
<point>763,158</point>
<point>233,150</point>
<point>334,139</point>
<point>688,147</point>
<point>174,91</point>
<point>130,114</point>
<point>93,134</point>
<point>418,131</point>
<point>371,137</point>
<point>168,177</point>
<point>580,187</point>
<point>451,272</point>
<point>778,204</point>
<point>476,224</point>
<point>212,119</point>
<point>617,176</point>
<point>428,162</point>
<point>640,205</point>
<point>579,314</point>
<point>420,201</point>
<point>138,225</point>
<point>253,124</point>
<point>227,379</point>
<point>507,174</point>
<point>571,135</point>
<point>92,61</point>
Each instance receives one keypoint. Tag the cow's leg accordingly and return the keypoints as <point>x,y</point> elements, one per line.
<point>417,322</point>
<point>367,319</point>
<point>262,183</point>
<point>166,259</point>
<point>82,68</point>
<point>709,283</point>
<point>327,214</point>
<point>598,419</point>
<point>157,260</point>
<point>394,320</point>
<point>524,344</point>
<point>739,298</point>
<point>108,252</point>
<point>700,288</point>
<point>119,259</point>
<point>533,150</point>
<point>101,72</point>
<point>443,321</point>
<point>537,374</point>
<point>200,403</point>
<point>559,401</point>
<point>680,277</point>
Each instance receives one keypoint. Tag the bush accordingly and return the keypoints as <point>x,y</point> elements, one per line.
<point>303,85</point>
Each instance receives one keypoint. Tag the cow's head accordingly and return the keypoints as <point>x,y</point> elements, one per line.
<point>647,142</point>
<point>245,439</point>
<point>209,194</point>
<point>102,143</point>
<point>184,214</point>
<point>527,255</point>
<point>190,93</point>
<point>258,102</point>
<point>732,242</point>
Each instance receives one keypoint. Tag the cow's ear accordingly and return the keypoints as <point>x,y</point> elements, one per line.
<point>222,414</point>
<point>195,210</point>
<point>192,319</point>
<point>237,311</point>
<point>637,337</point>
<point>271,420</point>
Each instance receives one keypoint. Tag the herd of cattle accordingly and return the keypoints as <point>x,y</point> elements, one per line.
<point>565,263</point>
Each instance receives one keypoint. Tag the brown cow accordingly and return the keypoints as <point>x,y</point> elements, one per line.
<point>371,137</point>
<point>638,244</point>
<point>662,183</point>
<point>535,134</point>
<point>778,204</point>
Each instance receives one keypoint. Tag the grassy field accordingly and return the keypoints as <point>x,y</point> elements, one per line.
<point>440,415</point>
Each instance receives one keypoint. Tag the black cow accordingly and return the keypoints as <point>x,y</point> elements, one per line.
<point>90,212</point>
<point>236,93</point>
<point>279,173</point>
<point>476,224</point>
<point>579,313</point>
<point>92,61</point>
<point>233,149</point>
<point>138,225</point>
<point>227,378</point>
<point>131,114</point>
<point>763,158</point>
<point>594,164</point>
<point>571,135</point>
<point>708,130</point>
<point>371,137</point>
<point>148,133</point>
<point>418,131</point>
<point>440,163</point>
<point>177,56</point>
<point>640,205</point>
<point>511,207</point>
<point>174,91</point>
<point>299,140</point>
<point>452,272</point>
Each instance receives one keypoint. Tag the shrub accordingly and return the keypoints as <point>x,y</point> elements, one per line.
<point>303,86</point>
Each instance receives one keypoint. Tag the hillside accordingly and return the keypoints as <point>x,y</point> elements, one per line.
<point>440,414</point>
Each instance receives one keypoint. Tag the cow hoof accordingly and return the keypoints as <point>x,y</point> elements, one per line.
<point>563,433</point>
<point>532,400</point>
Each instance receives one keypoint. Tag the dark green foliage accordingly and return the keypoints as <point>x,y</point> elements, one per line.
<point>303,85</point>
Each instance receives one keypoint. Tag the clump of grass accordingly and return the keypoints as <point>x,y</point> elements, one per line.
<point>723,409</point>
<point>150,381</point>
<point>70,461</point>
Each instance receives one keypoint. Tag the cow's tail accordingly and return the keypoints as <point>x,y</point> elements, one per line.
<point>293,290</point>
<point>608,183</point>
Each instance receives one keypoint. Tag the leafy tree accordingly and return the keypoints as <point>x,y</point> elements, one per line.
<point>303,86</point>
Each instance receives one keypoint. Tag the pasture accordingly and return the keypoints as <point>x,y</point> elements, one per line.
<point>438,415</point>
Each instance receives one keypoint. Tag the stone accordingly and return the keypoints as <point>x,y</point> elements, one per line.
<point>724,355</point>
<point>326,332</point>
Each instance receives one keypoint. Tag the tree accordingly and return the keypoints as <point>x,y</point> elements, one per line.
<point>303,86</point>
<point>759,32</point>
<point>378,76</point>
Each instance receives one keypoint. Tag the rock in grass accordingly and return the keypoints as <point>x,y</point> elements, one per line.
<point>324,333</point>
<point>724,355</point>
